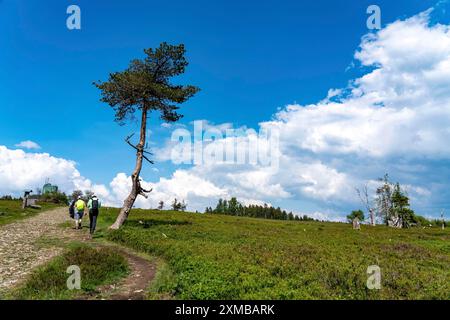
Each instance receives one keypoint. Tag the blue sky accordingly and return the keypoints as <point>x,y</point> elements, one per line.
<point>250,59</point>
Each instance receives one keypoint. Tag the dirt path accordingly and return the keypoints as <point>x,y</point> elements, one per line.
<point>133,287</point>
<point>26,244</point>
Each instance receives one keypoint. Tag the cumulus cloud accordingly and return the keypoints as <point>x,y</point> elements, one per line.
<point>28,144</point>
<point>20,170</point>
<point>181,185</point>
<point>400,108</point>
<point>323,216</point>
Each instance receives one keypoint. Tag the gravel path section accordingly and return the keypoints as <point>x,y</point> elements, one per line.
<point>32,242</point>
<point>20,247</point>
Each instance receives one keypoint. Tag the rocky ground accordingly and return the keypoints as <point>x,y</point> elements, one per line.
<point>21,249</point>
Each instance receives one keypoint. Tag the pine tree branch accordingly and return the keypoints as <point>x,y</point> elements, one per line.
<point>127,140</point>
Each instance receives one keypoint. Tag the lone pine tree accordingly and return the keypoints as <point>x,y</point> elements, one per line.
<point>142,88</point>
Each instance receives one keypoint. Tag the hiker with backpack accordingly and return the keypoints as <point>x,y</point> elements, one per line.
<point>79,212</point>
<point>94,207</point>
<point>72,209</point>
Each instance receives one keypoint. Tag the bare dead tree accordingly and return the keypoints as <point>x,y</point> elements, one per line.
<point>365,200</point>
<point>383,200</point>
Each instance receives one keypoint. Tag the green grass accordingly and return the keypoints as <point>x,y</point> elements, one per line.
<point>98,266</point>
<point>11,210</point>
<point>163,286</point>
<point>223,257</point>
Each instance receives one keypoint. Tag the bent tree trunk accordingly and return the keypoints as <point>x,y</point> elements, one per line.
<point>136,188</point>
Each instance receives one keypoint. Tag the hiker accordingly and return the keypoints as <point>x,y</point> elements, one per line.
<point>72,209</point>
<point>79,206</point>
<point>94,206</point>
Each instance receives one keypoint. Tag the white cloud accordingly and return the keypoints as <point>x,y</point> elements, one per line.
<point>197,192</point>
<point>28,144</point>
<point>20,170</point>
<point>322,216</point>
<point>400,108</point>
<point>166,125</point>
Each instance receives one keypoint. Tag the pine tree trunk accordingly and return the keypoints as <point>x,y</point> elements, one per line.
<point>135,189</point>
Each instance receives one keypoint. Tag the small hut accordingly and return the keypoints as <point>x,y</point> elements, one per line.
<point>49,188</point>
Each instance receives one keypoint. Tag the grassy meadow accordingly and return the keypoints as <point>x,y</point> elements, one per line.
<point>98,266</point>
<point>224,257</point>
<point>11,210</point>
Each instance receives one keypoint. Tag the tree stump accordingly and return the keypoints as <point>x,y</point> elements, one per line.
<point>356,224</point>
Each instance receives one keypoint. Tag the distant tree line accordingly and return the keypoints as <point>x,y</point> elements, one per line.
<point>233,207</point>
<point>8,197</point>
<point>176,205</point>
